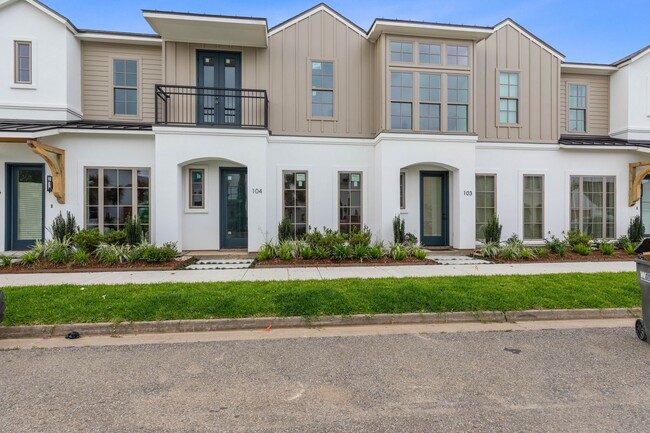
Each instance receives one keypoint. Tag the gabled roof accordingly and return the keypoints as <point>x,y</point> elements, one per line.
<point>45,9</point>
<point>634,56</point>
<point>531,36</point>
<point>321,7</point>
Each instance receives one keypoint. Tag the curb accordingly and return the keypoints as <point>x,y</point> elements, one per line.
<point>208,325</point>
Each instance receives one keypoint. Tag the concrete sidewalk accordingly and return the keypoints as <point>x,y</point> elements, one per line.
<point>324,273</point>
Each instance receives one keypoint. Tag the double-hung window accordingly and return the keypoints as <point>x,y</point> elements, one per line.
<point>457,102</point>
<point>401,106</point>
<point>322,89</point>
<point>22,62</point>
<point>533,207</point>
<point>430,54</point>
<point>430,102</point>
<point>593,205</point>
<point>401,52</point>
<point>577,108</point>
<point>509,97</point>
<point>350,204</point>
<point>113,195</point>
<point>457,55</point>
<point>125,87</point>
<point>295,200</point>
<point>485,202</point>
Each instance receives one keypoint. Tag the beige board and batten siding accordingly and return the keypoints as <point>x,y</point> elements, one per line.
<point>321,36</point>
<point>597,102</point>
<point>510,50</point>
<point>97,82</point>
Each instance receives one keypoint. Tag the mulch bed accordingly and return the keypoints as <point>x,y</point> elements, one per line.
<point>45,266</point>
<point>595,256</point>
<point>301,263</point>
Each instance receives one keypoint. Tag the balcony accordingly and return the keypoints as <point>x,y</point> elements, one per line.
<point>211,107</point>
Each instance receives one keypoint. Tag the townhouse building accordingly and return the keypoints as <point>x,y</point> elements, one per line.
<point>212,129</point>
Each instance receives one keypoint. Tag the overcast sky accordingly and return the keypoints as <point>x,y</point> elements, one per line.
<point>596,31</point>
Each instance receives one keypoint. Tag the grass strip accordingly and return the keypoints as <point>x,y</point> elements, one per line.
<point>173,301</point>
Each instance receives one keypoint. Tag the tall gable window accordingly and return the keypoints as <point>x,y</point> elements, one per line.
<point>322,89</point>
<point>577,108</point>
<point>458,102</point>
<point>430,54</point>
<point>401,52</point>
<point>430,102</point>
<point>125,87</point>
<point>23,62</point>
<point>508,97</point>
<point>401,94</point>
<point>457,55</point>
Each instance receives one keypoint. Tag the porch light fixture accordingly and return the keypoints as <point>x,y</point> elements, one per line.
<point>50,184</point>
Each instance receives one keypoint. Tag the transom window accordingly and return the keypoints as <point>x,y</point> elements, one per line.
<point>322,89</point>
<point>430,102</point>
<point>401,91</point>
<point>401,52</point>
<point>509,97</point>
<point>577,108</point>
<point>457,55</point>
<point>197,188</point>
<point>593,205</point>
<point>113,195</point>
<point>485,202</point>
<point>23,62</point>
<point>533,207</point>
<point>458,102</point>
<point>430,54</point>
<point>125,87</point>
<point>350,205</point>
<point>295,200</point>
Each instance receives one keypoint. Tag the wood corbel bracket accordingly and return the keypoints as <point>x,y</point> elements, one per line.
<point>55,159</point>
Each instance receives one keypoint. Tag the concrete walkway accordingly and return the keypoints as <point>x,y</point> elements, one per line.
<point>325,273</point>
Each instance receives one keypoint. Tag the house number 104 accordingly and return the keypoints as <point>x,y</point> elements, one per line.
<point>256,190</point>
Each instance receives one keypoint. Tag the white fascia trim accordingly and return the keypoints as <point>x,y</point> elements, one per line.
<point>216,132</point>
<point>115,38</point>
<point>431,26</point>
<point>586,67</point>
<point>531,37</point>
<point>633,130</point>
<point>397,136</point>
<point>517,146</point>
<point>320,8</point>
<point>102,131</point>
<point>209,19</point>
<point>635,58</point>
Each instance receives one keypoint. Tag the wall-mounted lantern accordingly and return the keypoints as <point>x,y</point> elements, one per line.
<point>50,184</point>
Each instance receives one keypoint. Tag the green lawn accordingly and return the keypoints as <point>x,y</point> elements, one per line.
<point>70,304</point>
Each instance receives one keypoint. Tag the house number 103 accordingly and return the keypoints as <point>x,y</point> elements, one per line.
<point>467,193</point>
<point>256,190</point>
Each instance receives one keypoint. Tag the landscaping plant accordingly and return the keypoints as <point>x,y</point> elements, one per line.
<point>360,252</point>
<point>306,252</point>
<point>398,252</point>
<point>80,257</point>
<point>622,242</point>
<point>577,237</point>
<point>63,227</point>
<point>285,252</point>
<point>492,230</point>
<point>133,231</point>
<point>341,252</point>
<point>285,230</point>
<point>399,231</point>
<point>582,249</point>
<point>322,253</point>
<point>6,260</point>
<point>606,248</point>
<point>377,251</point>
<point>111,254</point>
<point>267,252</point>
<point>555,244</point>
<point>115,237</point>
<point>87,240</point>
<point>420,254</point>
<point>636,230</point>
<point>490,250</point>
<point>630,249</point>
<point>360,237</point>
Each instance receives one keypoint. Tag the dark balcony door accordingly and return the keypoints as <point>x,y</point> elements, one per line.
<point>234,208</point>
<point>219,71</point>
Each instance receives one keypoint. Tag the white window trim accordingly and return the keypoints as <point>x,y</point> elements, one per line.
<point>187,185</point>
<point>111,88</point>
<point>498,99</point>
<point>568,108</point>
<point>310,116</point>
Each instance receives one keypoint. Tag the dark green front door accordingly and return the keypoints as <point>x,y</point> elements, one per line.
<point>434,208</point>
<point>234,208</point>
<point>25,205</point>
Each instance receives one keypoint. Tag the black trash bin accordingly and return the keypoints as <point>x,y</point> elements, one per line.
<point>643,275</point>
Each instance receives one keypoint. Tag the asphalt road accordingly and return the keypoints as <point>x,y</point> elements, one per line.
<point>590,380</point>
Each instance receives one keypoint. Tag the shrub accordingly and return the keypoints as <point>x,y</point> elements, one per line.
<point>490,250</point>
<point>576,237</point>
<point>341,252</point>
<point>636,230</point>
<point>115,237</point>
<point>376,251</point>
<point>582,249</point>
<point>410,239</point>
<point>606,249</point>
<point>399,230</point>
<point>306,252</point>
<point>398,252</point>
<point>58,250</point>
<point>562,250</point>
<point>133,231</point>
<point>267,252</point>
<point>332,238</point>
<point>514,241</point>
<point>527,254</point>
<point>322,253</point>
<point>541,252</point>
<point>285,252</point>
<point>63,227</point>
<point>80,257</point>
<point>554,244</point>
<point>623,242</point>
<point>510,252</point>
<point>492,230</point>
<point>151,253</point>
<point>87,240</point>
<point>314,238</point>
<point>361,252</point>
<point>30,258</point>
<point>285,230</point>
<point>39,249</point>
<point>110,254</point>
<point>6,260</point>
<point>360,237</point>
<point>420,254</point>
<point>630,249</point>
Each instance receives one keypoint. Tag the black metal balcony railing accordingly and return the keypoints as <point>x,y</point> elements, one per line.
<point>211,106</point>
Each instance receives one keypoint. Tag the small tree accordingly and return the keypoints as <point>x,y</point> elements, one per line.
<point>399,230</point>
<point>492,230</point>
<point>285,230</point>
<point>134,231</point>
<point>636,230</point>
